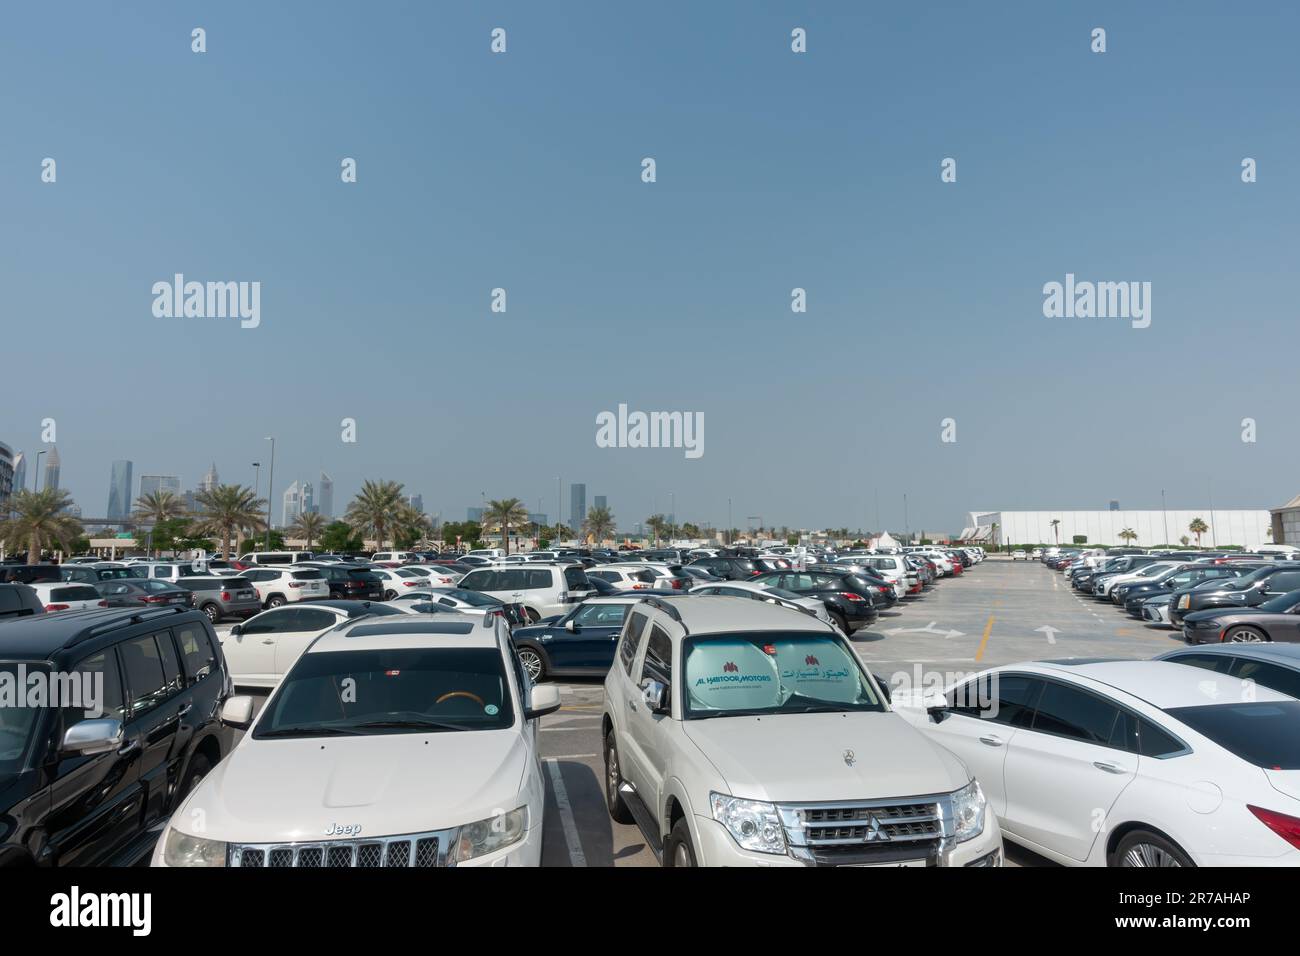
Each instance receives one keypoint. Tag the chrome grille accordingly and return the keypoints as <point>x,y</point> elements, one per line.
<point>407,850</point>
<point>864,831</point>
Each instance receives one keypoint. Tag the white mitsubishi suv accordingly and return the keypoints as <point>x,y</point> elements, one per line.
<point>404,741</point>
<point>739,733</point>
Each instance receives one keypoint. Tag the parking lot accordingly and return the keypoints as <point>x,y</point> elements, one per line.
<point>993,615</point>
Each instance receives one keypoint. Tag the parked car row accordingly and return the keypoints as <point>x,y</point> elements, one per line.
<point>1213,598</point>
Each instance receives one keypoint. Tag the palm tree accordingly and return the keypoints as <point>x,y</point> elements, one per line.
<point>1198,528</point>
<point>156,507</point>
<point>1056,529</point>
<point>411,525</point>
<point>599,524</point>
<point>1184,541</point>
<point>375,509</point>
<point>40,518</point>
<point>309,525</point>
<point>559,532</point>
<point>226,509</point>
<point>1128,534</point>
<point>658,524</point>
<point>503,514</point>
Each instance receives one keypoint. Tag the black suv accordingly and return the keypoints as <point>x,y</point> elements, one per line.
<point>90,779</point>
<point>30,573</point>
<point>728,568</point>
<point>850,597</point>
<point>1249,590</point>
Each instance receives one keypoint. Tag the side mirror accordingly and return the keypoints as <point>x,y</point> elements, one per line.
<point>237,630</point>
<point>652,692</point>
<point>938,712</point>
<point>884,687</point>
<point>570,626</point>
<point>89,737</point>
<point>237,712</point>
<point>545,700</point>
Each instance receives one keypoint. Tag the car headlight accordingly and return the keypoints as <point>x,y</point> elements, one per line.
<point>1184,601</point>
<point>181,849</point>
<point>1206,624</point>
<point>968,806</point>
<point>487,836</point>
<point>754,825</point>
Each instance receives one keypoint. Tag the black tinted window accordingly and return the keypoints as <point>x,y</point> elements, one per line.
<point>627,648</point>
<point>196,649</point>
<point>1262,734</point>
<point>1076,714</point>
<point>171,661</point>
<point>539,578</point>
<point>1003,698</point>
<point>1284,680</point>
<point>145,680</point>
<point>101,667</point>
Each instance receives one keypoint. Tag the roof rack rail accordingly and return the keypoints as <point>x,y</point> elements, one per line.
<point>137,618</point>
<point>666,607</point>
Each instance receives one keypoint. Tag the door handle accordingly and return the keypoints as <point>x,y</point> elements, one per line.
<point>184,710</point>
<point>129,747</point>
<point>1108,767</point>
<point>631,704</point>
<point>267,640</point>
<point>991,740</point>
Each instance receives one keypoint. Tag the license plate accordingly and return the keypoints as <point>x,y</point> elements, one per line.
<point>896,863</point>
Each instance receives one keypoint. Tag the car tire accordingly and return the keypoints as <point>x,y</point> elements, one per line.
<point>275,600</point>
<point>677,848</point>
<point>213,612</point>
<point>1144,848</point>
<point>532,661</point>
<point>199,768</point>
<point>389,595</point>
<point>1246,635</point>
<point>619,811</point>
<point>841,622</point>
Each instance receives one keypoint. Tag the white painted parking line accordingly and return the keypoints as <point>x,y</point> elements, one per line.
<point>576,856</point>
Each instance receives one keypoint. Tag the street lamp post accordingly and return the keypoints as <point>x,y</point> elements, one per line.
<point>270,486</point>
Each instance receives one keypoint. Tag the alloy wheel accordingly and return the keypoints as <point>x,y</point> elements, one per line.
<point>1145,854</point>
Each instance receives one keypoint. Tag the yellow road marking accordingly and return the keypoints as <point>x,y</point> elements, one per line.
<point>988,629</point>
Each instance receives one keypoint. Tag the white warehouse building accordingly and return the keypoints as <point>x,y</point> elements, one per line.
<point>1247,529</point>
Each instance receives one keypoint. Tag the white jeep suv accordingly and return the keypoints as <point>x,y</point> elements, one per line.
<point>738,733</point>
<point>404,741</point>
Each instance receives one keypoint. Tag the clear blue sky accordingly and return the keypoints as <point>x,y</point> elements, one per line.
<point>775,170</point>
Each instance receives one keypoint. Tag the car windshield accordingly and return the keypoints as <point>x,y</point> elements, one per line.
<point>1282,603</point>
<point>1261,733</point>
<point>736,675</point>
<point>473,598</point>
<point>390,691</point>
<point>17,720</point>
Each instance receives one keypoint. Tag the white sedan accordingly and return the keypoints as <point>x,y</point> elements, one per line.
<point>1128,763</point>
<point>261,650</point>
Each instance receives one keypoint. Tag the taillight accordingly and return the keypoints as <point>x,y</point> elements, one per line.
<point>56,607</point>
<point>225,595</point>
<point>295,584</point>
<point>850,596</point>
<point>103,604</point>
<point>677,583</point>
<point>1288,828</point>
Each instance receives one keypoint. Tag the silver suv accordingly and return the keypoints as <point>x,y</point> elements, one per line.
<point>738,733</point>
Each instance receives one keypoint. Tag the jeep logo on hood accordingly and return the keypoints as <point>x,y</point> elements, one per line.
<point>339,829</point>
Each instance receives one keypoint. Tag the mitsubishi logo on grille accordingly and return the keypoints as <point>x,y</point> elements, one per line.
<point>875,833</point>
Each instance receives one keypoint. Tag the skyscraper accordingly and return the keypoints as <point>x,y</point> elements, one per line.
<point>20,471</point>
<point>600,501</point>
<point>149,484</point>
<point>52,464</point>
<point>119,491</point>
<point>417,502</point>
<point>210,480</point>
<point>577,505</point>
<point>326,498</point>
<point>307,504</point>
<point>291,504</point>
<point>6,477</point>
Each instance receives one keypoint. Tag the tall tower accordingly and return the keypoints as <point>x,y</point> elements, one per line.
<point>210,480</point>
<point>119,490</point>
<point>326,497</point>
<point>291,504</point>
<point>577,506</point>
<point>52,466</point>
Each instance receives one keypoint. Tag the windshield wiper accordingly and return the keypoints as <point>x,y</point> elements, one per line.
<point>316,730</point>
<point>407,722</point>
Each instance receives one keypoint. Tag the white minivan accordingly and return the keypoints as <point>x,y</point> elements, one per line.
<point>544,590</point>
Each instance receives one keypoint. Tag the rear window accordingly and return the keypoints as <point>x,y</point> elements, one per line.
<point>79,592</point>
<point>364,576</point>
<point>14,601</point>
<point>575,579</point>
<point>308,576</point>
<point>1261,733</point>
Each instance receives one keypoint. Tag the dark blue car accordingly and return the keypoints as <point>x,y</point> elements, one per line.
<point>578,644</point>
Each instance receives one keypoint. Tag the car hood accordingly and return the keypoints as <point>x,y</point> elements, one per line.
<point>536,631</point>
<point>270,791</point>
<point>802,757</point>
